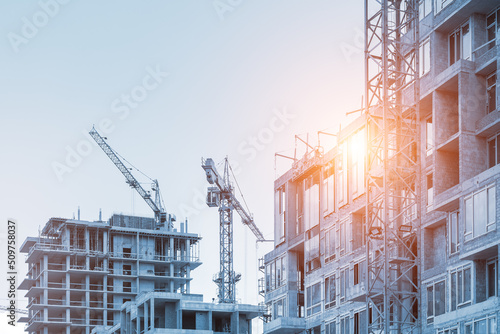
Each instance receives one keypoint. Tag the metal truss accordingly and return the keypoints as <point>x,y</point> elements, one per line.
<point>222,195</point>
<point>392,166</point>
<point>227,279</point>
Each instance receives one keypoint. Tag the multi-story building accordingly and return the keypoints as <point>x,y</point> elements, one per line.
<point>120,276</point>
<point>81,273</point>
<point>174,313</point>
<point>315,278</point>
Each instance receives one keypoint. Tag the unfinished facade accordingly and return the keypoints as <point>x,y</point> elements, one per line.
<point>81,273</point>
<point>316,276</point>
<point>164,312</point>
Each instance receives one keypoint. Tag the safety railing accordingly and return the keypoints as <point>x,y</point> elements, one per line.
<point>155,257</point>
<point>124,272</point>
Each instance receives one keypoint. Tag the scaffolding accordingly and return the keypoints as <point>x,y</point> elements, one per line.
<point>392,166</point>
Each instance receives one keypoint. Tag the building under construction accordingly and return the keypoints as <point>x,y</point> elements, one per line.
<point>120,276</point>
<point>132,274</point>
<point>395,229</point>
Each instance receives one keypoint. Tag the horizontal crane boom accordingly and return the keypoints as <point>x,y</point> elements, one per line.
<point>160,214</point>
<point>213,177</point>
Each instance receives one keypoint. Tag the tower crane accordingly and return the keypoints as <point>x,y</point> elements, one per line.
<point>156,205</point>
<point>222,195</point>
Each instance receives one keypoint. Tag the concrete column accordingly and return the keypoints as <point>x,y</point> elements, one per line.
<point>137,263</point>
<point>235,326</point>
<point>138,321</point>
<point>68,236</point>
<point>105,242</point>
<point>45,276</point>
<point>45,284</point>
<point>87,301</point>
<point>68,315</point>
<point>146,316</point>
<point>87,239</point>
<point>210,320</point>
<point>105,249</point>
<point>179,317</point>
<point>105,300</point>
<point>152,307</point>
<point>68,291</point>
<point>188,269</point>
<point>172,285</point>
<point>172,253</point>
<point>129,321</point>
<point>87,248</point>
<point>137,244</point>
<point>171,257</point>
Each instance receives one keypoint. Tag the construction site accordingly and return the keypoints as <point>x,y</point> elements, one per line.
<point>393,230</point>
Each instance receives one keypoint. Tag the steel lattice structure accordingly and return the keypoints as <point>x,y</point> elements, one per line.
<point>392,166</point>
<point>226,279</point>
<point>156,205</point>
<point>222,195</point>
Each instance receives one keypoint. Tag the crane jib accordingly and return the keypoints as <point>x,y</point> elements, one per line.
<point>160,214</point>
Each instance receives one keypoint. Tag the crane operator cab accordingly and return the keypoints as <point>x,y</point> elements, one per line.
<point>213,197</point>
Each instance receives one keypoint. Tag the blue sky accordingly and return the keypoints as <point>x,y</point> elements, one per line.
<point>172,81</point>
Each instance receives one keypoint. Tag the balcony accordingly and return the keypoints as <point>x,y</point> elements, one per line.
<point>56,266</point>
<point>122,289</point>
<point>155,257</point>
<point>262,286</point>
<point>161,274</point>
<point>27,283</point>
<point>356,293</point>
<point>39,248</point>
<point>488,125</point>
<point>485,59</point>
<point>122,255</point>
<point>490,305</point>
<point>451,144</point>
<point>38,320</point>
<point>448,200</point>
<point>285,325</point>
<point>36,304</point>
<point>486,247</point>
<point>76,268</point>
<point>122,272</point>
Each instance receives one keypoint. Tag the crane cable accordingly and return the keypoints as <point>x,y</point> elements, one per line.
<point>137,169</point>
<point>238,186</point>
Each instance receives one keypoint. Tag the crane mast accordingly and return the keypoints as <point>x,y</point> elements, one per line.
<point>156,204</point>
<point>393,191</point>
<point>222,195</point>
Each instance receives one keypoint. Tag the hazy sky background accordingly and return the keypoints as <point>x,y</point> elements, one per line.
<point>229,74</point>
